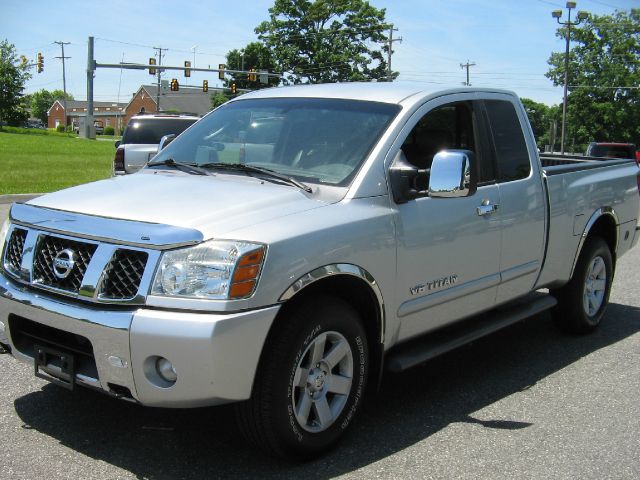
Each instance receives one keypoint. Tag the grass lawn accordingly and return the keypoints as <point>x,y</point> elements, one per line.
<point>40,163</point>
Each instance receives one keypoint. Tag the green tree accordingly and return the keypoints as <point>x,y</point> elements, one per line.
<point>321,41</point>
<point>604,75</point>
<point>545,122</point>
<point>537,113</point>
<point>40,102</point>
<point>254,56</point>
<point>218,99</point>
<point>13,75</point>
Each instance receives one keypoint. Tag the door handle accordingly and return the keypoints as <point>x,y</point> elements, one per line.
<point>487,208</point>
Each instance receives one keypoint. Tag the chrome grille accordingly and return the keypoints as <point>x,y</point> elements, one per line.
<point>88,270</point>
<point>15,248</point>
<point>43,267</point>
<point>123,274</point>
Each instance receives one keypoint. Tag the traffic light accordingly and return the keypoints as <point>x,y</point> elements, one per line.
<point>23,61</point>
<point>234,88</point>
<point>152,71</point>
<point>221,67</point>
<point>252,75</point>
<point>187,72</point>
<point>175,86</point>
<point>40,63</point>
<point>205,86</point>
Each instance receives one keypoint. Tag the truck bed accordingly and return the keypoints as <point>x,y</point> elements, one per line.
<point>578,187</point>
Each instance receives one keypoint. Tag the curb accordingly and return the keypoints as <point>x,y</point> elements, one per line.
<point>18,197</point>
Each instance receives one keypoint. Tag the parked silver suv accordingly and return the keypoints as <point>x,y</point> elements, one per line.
<point>141,137</point>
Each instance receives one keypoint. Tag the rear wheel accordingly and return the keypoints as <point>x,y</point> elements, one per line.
<point>582,302</point>
<point>310,382</point>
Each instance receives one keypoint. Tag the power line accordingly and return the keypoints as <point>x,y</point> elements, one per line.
<point>605,4</point>
<point>605,87</point>
<point>343,31</point>
<point>553,4</point>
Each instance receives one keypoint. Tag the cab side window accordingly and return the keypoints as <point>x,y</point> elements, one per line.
<point>451,126</point>
<point>446,127</point>
<point>511,154</point>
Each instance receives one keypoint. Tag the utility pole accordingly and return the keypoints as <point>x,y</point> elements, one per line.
<point>390,41</point>
<point>91,67</point>
<point>159,49</point>
<point>581,16</point>
<point>467,66</point>
<point>64,81</point>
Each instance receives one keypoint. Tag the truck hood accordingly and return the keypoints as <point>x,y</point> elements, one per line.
<point>214,205</point>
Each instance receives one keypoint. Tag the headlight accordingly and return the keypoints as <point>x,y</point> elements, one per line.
<point>215,270</point>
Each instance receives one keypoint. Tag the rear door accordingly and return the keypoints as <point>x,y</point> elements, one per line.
<point>522,198</point>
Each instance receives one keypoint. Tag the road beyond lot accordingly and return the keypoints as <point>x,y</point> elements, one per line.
<point>527,402</point>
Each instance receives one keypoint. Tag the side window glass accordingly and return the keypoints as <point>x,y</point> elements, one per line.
<point>512,157</point>
<point>447,127</point>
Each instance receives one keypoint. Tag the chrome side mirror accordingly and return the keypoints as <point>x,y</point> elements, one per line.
<point>453,174</point>
<point>166,140</point>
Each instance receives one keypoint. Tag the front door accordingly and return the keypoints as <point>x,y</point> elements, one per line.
<point>448,252</point>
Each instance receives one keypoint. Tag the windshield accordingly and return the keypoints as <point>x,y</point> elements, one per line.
<point>311,139</point>
<point>151,130</point>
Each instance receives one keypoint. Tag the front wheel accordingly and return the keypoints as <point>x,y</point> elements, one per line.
<point>310,382</point>
<point>582,302</point>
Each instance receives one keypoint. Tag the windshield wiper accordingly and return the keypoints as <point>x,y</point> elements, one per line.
<point>243,167</point>
<point>185,167</point>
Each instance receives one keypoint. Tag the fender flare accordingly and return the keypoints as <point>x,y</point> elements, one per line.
<point>339,269</point>
<point>599,213</point>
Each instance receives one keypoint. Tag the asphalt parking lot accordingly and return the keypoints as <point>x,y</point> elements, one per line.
<point>527,402</point>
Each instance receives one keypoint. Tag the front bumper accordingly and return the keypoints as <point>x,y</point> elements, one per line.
<point>215,355</point>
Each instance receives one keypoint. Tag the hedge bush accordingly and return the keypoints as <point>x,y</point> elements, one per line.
<point>108,130</point>
<point>60,128</point>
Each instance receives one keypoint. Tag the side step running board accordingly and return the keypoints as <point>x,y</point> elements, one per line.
<point>444,340</point>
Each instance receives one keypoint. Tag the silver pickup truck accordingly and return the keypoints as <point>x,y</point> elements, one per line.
<point>297,242</point>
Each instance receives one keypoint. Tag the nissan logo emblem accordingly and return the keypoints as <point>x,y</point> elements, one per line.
<point>63,263</point>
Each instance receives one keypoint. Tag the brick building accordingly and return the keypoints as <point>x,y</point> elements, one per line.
<point>109,113</point>
<point>187,100</point>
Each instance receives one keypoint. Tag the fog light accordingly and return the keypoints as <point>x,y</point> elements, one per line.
<point>166,370</point>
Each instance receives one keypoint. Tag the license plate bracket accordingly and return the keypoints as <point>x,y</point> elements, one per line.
<point>63,364</point>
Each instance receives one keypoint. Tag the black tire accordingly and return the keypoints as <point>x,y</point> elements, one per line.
<point>283,385</point>
<point>575,312</point>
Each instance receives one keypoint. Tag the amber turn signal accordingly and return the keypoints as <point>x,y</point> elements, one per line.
<point>245,277</point>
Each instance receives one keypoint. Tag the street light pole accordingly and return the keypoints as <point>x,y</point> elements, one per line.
<point>194,61</point>
<point>557,14</point>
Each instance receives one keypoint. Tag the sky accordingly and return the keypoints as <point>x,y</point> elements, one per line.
<point>509,41</point>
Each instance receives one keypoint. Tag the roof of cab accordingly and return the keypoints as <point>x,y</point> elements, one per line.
<point>395,92</point>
